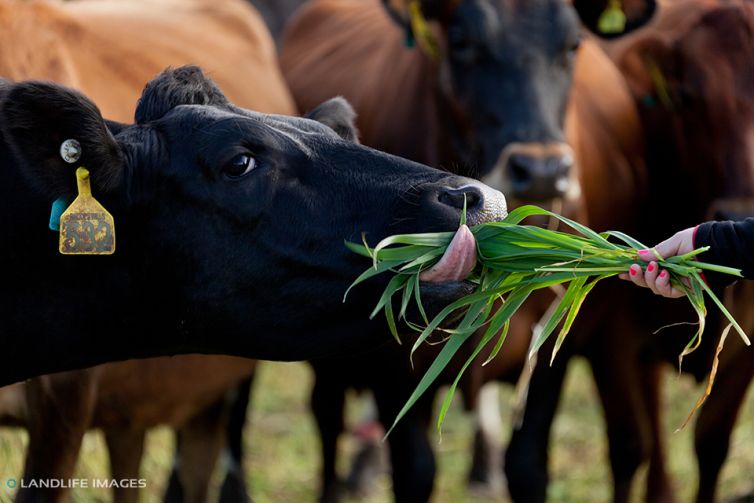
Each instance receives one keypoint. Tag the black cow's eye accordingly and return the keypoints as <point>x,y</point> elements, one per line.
<point>574,46</point>
<point>239,166</point>
<point>569,55</point>
<point>462,46</point>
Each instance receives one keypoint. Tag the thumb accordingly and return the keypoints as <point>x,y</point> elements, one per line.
<point>680,243</point>
<point>669,247</point>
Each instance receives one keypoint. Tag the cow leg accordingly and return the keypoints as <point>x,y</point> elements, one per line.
<point>486,474</point>
<point>618,379</point>
<point>659,485</point>
<point>199,443</point>
<point>526,456</point>
<point>62,405</point>
<point>717,419</point>
<point>369,461</point>
<point>327,402</point>
<point>411,455</point>
<point>233,489</point>
<point>125,448</point>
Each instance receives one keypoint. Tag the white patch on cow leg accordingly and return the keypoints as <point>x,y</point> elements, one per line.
<point>13,405</point>
<point>488,444</point>
<point>489,412</point>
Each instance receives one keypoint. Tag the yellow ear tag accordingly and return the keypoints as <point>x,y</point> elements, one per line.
<point>86,227</point>
<point>422,32</point>
<point>612,20</point>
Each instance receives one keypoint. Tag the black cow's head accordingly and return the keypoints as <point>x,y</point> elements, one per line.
<point>506,70</point>
<point>231,224</point>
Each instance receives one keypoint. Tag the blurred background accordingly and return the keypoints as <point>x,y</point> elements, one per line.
<point>282,452</point>
<point>631,115</point>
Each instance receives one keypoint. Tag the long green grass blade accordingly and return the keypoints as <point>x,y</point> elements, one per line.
<point>513,261</point>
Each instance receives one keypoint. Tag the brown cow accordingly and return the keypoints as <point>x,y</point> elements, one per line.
<point>701,122</point>
<point>692,82</point>
<point>110,49</point>
<point>493,105</point>
<point>516,144</point>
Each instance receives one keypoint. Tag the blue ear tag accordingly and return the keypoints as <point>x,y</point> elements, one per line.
<point>58,207</point>
<point>409,41</point>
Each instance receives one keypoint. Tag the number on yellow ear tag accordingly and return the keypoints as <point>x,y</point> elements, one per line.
<point>612,20</point>
<point>86,227</point>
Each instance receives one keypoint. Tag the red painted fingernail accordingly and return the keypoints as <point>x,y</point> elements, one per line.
<point>642,252</point>
<point>663,274</point>
<point>650,267</point>
<point>632,270</point>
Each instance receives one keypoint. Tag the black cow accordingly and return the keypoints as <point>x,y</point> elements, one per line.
<point>230,228</point>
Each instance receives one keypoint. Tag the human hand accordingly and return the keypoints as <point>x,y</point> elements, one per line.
<point>655,279</point>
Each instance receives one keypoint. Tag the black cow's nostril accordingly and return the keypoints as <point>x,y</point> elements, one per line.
<point>520,170</point>
<point>455,196</point>
<point>539,177</point>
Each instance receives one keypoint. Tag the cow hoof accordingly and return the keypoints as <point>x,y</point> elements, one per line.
<point>494,488</point>
<point>369,464</point>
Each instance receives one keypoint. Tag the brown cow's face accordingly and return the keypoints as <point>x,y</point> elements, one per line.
<point>506,70</point>
<point>506,74</point>
<point>708,78</point>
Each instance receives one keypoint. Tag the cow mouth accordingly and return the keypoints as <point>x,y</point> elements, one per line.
<point>446,281</point>
<point>457,262</point>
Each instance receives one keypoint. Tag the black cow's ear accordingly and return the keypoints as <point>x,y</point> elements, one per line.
<point>338,115</point>
<point>599,15</point>
<point>37,117</point>
<point>185,85</point>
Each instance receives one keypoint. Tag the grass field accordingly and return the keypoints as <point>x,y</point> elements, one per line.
<point>282,451</point>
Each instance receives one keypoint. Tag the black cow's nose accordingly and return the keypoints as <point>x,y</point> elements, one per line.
<point>443,202</point>
<point>456,196</point>
<point>539,178</point>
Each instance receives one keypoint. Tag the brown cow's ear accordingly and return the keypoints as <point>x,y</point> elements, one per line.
<point>647,65</point>
<point>37,117</point>
<point>338,115</point>
<point>431,9</point>
<point>595,13</point>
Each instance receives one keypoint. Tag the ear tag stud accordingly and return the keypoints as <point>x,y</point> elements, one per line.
<point>612,20</point>
<point>70,151</point>
<point>86,227</point>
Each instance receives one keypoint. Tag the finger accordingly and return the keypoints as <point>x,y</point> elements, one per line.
<point>651,276</point>
<point>663,287</point>
<point>624,275</point>
<point>636,275</point>
<point>647,255</point>
<point>669,247</point>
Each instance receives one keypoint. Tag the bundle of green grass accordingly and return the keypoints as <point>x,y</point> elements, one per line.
<point>512,262</point>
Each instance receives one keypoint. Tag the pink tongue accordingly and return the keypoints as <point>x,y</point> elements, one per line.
<point>457,262</point>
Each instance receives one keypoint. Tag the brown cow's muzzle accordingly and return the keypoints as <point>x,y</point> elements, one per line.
<point>534,171</point>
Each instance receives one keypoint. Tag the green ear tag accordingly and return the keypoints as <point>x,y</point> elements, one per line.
<point>86,227</point>
<point>612,20</point>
